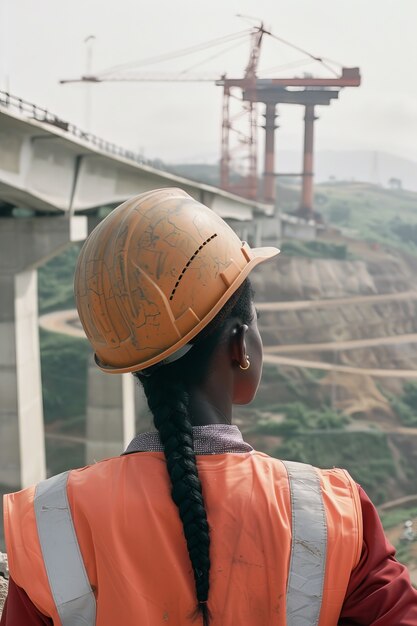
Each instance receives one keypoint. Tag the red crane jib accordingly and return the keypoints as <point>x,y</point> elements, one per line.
<point>350,77</point>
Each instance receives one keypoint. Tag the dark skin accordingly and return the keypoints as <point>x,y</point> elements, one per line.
<point>226,383</point>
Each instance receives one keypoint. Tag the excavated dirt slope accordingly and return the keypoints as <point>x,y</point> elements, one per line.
<point>349,301</point>
<point>363,315</point>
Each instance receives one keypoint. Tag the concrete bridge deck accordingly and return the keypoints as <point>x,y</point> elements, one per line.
<point>62,175</point>
<point>51,166</point>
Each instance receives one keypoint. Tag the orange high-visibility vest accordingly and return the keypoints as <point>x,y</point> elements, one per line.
<point>132,543</point>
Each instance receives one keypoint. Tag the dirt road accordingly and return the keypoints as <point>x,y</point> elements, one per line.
<point>296,305</point>
<point>67,322</point>
<point>347,369</point>
<point>342,345</point>
<point>64,322</point>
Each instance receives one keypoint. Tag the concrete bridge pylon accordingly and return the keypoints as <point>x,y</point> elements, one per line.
<point>116,411</point>
<point>25,244</point>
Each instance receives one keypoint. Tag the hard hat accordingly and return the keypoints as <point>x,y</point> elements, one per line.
<point>153,274</point>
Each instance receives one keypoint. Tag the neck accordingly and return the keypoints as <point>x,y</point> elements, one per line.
<point>205,410</point>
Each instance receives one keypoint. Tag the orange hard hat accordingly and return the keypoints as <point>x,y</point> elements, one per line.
<point>153,274</point>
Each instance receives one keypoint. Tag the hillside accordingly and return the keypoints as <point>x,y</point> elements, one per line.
<point>355,322</point>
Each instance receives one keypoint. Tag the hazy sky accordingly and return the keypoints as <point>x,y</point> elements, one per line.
<point>43,41</point>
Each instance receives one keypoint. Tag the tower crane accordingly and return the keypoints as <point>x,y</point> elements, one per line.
<point>307,91</point>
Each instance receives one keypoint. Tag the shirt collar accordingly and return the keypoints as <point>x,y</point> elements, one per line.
<point>209,439</point>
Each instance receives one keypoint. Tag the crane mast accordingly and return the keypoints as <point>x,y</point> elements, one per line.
<point>246,141</point>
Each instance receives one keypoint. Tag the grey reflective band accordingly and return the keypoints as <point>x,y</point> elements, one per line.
<point>308,546</point>
<point>70,587</point>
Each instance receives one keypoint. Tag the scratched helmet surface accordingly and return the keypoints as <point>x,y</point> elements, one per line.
<point>153,274</point>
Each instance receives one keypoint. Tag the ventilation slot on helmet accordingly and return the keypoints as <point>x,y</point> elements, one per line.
<point>185,268</point>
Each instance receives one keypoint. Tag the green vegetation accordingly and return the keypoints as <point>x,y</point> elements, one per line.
<point>340,214</point>
<point>371,213</point>
<point>405,231</point>
<point>64,387</point>
<point>64,376</point>
<point>55,281</point>
<point>315,249</point>
<point>63,359</point>
<point>395,517</point>
<point>365,455</point>
<point>202,172</point>
<point>405,406</point>
<point>282,385</point>
<point>407,414</point>
<point>403,552</point>
<point>300,419</point>
<point>298,385</point>
<point>62,456</point>
<point>310,431</point>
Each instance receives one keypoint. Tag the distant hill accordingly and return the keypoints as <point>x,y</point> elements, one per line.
<point>202,172</point>
<point>365,166</point>
<point>366,211</point>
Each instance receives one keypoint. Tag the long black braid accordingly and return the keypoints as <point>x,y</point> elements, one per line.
<point>167,392</point>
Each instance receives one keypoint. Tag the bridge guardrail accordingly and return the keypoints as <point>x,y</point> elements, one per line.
<point>33,111</point>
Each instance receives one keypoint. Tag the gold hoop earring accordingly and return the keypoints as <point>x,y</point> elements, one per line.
<point>247,366</point>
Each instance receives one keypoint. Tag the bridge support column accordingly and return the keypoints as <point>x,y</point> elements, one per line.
<point>269,190</point>
<point>116,409</point>
<point>25,243</point>
<point>307,194</point>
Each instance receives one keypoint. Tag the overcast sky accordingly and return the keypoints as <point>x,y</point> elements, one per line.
<point>42,42</point>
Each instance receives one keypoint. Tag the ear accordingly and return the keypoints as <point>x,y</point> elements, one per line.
<point>238,344</point>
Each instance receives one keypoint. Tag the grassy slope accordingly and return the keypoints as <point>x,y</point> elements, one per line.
<point>370,212</point>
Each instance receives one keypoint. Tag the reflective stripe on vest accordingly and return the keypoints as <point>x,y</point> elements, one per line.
<point>308,546</point>
<point>70,587</point>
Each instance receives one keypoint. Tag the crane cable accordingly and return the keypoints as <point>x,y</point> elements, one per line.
<point>288,66</point>
<point>213,56</point>
<point>321,60</point>
<point>172,55</point>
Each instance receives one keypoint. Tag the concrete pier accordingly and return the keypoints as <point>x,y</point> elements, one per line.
<point>307,193</point>
<point>116,410</point>
<point>25,244</point>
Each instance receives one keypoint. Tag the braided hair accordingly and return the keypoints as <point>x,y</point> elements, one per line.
<point>167,390</point>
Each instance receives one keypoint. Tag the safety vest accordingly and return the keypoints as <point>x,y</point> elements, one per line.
<point>104,545</point>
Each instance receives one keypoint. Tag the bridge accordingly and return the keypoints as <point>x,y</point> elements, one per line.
<point>54,182</point>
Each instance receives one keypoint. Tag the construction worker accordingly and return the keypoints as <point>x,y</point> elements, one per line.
<point>190,524</point>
